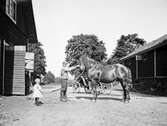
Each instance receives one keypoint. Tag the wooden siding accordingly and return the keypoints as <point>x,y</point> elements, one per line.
<point>10,31</point>
<point>19,70</point>
<point>130,63</point>
<point>146,65</point>
<point>8,74</point>
<point>161,61</point>
<point>15,70</point>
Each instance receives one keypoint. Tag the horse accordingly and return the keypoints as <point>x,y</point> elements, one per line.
<point>100,73</point>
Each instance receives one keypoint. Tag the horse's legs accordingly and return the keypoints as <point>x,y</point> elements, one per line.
<point>124,90</point>
<point>95,92</point>
<point>90,86</point>
<point>85,85</point>
<point>125,86</point>
<point>94,89</point>
<point>85,89</point>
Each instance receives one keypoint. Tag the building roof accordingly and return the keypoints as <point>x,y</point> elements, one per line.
<point>148,47</point>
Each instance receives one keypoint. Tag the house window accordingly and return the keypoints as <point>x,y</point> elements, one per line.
<point>11,9</point>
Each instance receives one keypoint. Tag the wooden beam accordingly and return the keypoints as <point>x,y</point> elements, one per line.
<point>137,69</point>
<point>155,64</point>
<point>3,70</point>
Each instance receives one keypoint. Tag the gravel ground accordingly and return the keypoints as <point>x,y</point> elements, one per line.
<point>81,110</point>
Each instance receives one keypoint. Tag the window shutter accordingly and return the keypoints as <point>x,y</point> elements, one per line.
<point>19,70</point>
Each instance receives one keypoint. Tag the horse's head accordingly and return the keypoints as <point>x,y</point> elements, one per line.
<point>86,62</point>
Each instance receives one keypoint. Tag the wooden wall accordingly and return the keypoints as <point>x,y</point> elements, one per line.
<point>131,64</point>
<point>15,34</point>
<point>15,70</point>
<point>19,70</point>
<point>8,73</point>
<point>161,61</point>
<point>146,65</point>
<point>152,65</point>
<point>1,75</point>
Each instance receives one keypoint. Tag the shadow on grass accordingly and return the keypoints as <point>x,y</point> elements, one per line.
<point>98,98</point>
<point>81,92</point>
<point>163,102</point>
<point>148,93</point>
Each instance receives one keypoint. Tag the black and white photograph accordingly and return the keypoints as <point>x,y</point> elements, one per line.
<point>83,62</point>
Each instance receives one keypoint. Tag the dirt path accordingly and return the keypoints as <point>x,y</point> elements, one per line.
<point>80,110</point>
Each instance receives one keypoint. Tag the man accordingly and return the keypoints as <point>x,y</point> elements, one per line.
<point>64,77</point>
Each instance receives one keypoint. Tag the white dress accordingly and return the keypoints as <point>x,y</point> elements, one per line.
<point>37,91</point>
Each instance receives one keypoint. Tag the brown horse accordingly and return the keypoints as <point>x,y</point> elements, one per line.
<point>97,72</point>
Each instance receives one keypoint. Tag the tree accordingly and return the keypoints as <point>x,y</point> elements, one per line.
<point>125,45</point>
<point>89,44</point>
<point>39,60</point>
<point>49,78</point>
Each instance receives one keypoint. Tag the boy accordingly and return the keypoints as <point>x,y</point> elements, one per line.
<point>64,77</point>
<point>37,92</point>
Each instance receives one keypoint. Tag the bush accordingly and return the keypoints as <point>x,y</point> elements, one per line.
<point>151,86</point>
<point>58,80</point>
<point>49,78</point>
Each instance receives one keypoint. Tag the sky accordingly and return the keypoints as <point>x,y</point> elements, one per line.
<point>58,20</point>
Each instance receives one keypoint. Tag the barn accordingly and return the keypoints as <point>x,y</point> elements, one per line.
<point>149,62</point>
<point>17,30</point>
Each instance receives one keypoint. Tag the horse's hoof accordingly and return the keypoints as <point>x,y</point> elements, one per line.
<point>93,100</point>
<point>126,101</point>
<point>122,100</point>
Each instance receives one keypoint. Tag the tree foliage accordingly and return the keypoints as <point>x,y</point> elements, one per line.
<point>49,78</point>
<point>40,59</point>
<point>125,45</point>
<point>89,44</point>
